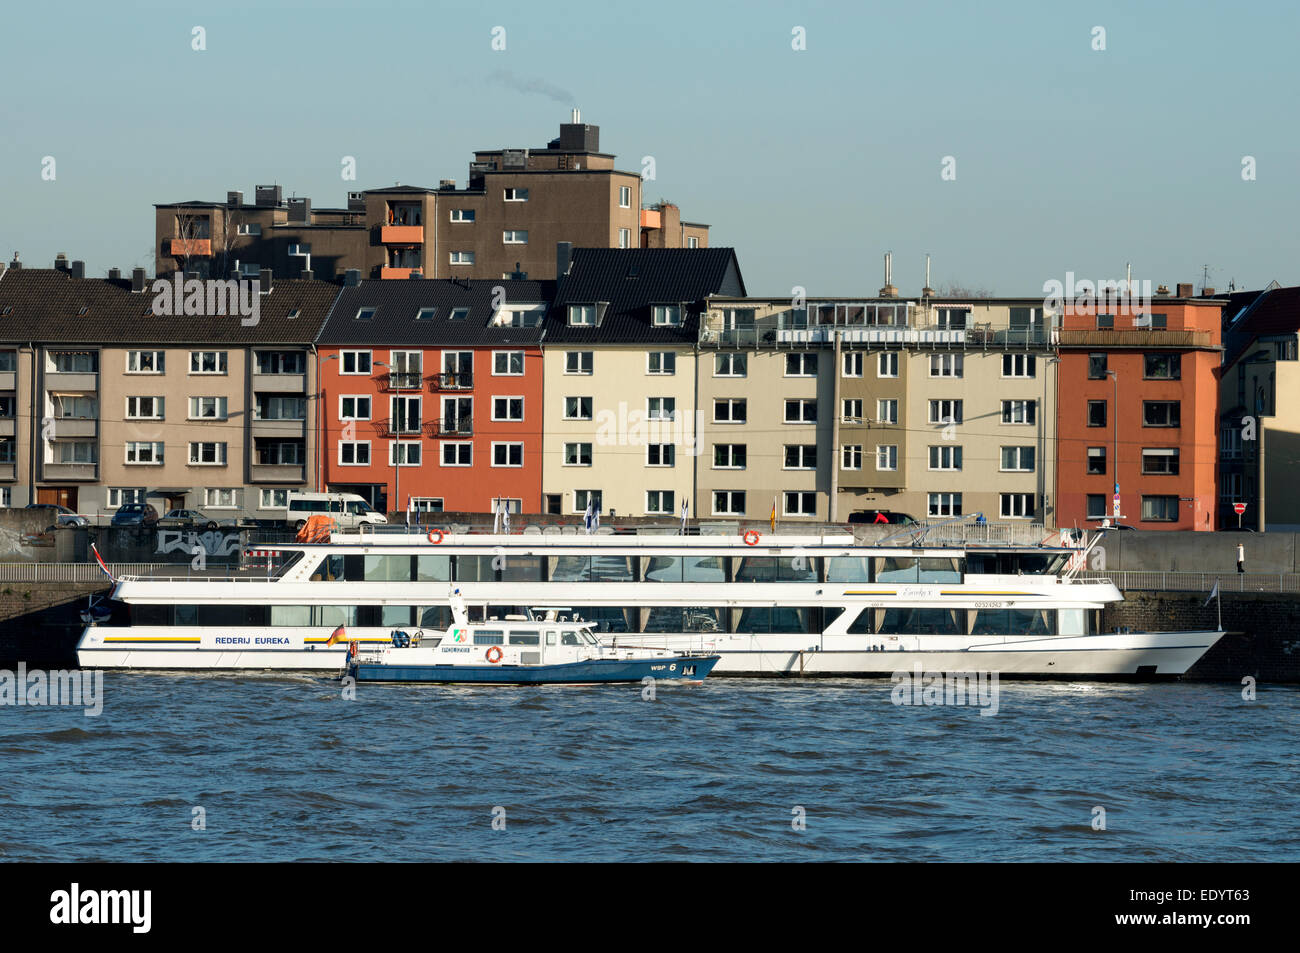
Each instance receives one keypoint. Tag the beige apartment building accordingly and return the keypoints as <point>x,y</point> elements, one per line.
<point>115,404</point>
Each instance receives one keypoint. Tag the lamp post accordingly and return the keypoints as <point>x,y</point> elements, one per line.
<point>323,430</point>
<point>1114,375</point>
<point>397,447</point>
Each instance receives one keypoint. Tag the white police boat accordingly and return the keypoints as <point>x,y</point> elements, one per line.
<point>518,650</point>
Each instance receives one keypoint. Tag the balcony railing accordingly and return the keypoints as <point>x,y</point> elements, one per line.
<point>452,380</point>
<point>778,335</point>
<point>1135,338</point>
<point>401,380</point>
<point>184,247</point>
<point>397,427</point>
<point>401,234</point>
<point>405,271</point>
<point>451,427</point>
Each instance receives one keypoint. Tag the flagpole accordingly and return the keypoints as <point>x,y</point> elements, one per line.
<point>1218,603</point>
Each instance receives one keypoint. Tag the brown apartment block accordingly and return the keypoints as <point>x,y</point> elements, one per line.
<point>519,203</point>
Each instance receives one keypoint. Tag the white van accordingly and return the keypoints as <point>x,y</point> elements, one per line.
<point>347,509</point>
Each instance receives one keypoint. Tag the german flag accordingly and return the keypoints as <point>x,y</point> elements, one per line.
<point>338,635</point>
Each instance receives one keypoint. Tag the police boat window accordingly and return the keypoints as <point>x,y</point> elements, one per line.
<point>550,636</point>
<point>489,637</point>
<point>524,638</point>
<point>588,637</point>
<point>570,638</point>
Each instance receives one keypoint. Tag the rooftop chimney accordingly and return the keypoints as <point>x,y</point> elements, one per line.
<point>576,117</point>
<point>1184,290</point>
<point>563,257</point>
<point>269,195</point>
<point>889,291</point>
<point>115,274</point>
<point>356,201</point>
<point>137,280</point>
<point>16,265</point>
<point>234,198</point>
<point>447,184</point>
<point>60,262</point>
<point>927,291</point>
<point>78,269</point>
<point>352,277</point>
<point>265,284</point>
<point>1163,290</point>
<point>300,210</point>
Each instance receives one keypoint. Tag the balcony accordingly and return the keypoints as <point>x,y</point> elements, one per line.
<point>72,381</point>
<point>8,380</point>
<point>190,247</point>
<point>452,380</point>
<point>75,427</point>
<point>1139,338</point>
<point>79,472</point>
<point>451,427</point>
<point>8,471</point>
<point>400,380</point>
<point>292,428</point>
<point>398,428</point>
<point>277,473</point>
<point>401,234</point>
<point>7,426</point>
<point>279,383</point>
<point>386,273</point>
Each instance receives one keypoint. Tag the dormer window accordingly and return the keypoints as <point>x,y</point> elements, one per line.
<point>458,314</point>
<point>667,315</point>
<point>82,311</point>
<point>425,314</point>
<point>294,313</point>
<point>582,315</point>
<point>366,314</point>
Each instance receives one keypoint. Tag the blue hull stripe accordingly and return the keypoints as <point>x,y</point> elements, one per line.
<point>608,670</point>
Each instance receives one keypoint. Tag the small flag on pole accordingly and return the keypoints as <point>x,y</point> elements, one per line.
<point>496,518</point>
<point>589,518</point>
<point>338,635</point>
<point>102,565</point>
<point>684,510</point>
<point>505,518</point>
<point>774,514</point>
<point>1214,593</point>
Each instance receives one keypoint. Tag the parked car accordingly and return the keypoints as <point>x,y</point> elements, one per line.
<point>135,514</point>
<point>59,515</point>
<point>880,516</point>
<point>188,518</point>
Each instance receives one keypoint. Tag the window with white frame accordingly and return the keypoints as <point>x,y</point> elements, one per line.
<point>1020,459</point>
<point>122,495</point>
<point>507,363</point>
<point>1019,411</point>
<point>248,228</point>
<point>461,258</point>
<point>577,408</point>
<point>944,504</point>
<point>354,453</point>
<point>207,362</point>
<point>887,364</point>
<point>72,451</point>
<point>730,365</point>
<point>577,362</point>
<point>851,364</point>
<point>354,407</point>
<point>801,410</point>
<point>582,315</point>
<point>728,502</point>
<point>221,498</point>
<point>75,406</point>
<point>887,411</point>
<point>886,457</point>
<point>661,362</point>
<point>800,503</point>
<point>659,502</point>
<point>144,452</point>
<point>729,456</point>
<point>355,362</point>
<point>625,238</point>
<point>801,365</point>
<point>146,362</point>
<point>405,413</point>
<point>404,453</point>
<point>462,215</point>
<point>426,504</point>
<point>851,456</point>
<point>661,408</point>
<point>208,408</point>
<point>144,408</point>
<point>660,455</point>
<point>207,453</point>
<point>577,454</point>
<point>514,236</point>
<point>1016,506</point>
<point>945,412</point>
<point>945,457</point>
<point>516,195</point>
<point>1161,461</point>
<point>508,408</point>
<point>457,453</point>
<point>6,496</point>
<point>582,497</point>
<point>800,456</point>
<point>272,498</point>
<point>729,410</point>
<point>507,454</point>
<point>692,242</point>
<point>851,410</point>
<point>667,315</point>
<point>1018,365</point>
<point>945,365</point>
<point>625,196</point>
<point>72,362</point>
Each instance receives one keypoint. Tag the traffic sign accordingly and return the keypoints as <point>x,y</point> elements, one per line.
<point>1238,508</point>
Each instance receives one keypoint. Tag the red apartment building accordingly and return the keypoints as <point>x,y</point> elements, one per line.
<point>1138,410</point>
<point>431,394</point>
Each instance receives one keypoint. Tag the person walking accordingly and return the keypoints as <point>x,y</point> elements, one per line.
<point>1241,558</point>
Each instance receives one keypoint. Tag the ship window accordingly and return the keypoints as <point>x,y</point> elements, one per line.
<point>432,568</point>
<point>848,569</point>
<point>663,569</point>
<point>864,624</point>
<point>395,615</point>
<point>914,621</point>
<point>486,637</point>
<point>704,569</point>
<point>433,617</point>
<point>525,638</point>
<point>388,568</point>
<point>522,569</point>
<point>570,637</point>
<point>607,618</point>
<point>291,615</point>
<point>1014,622</point>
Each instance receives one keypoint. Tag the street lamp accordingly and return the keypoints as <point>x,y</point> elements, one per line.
<point>1114,375</point>
<point>397,448</point>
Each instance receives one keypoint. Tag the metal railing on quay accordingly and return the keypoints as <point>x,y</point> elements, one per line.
<point>1197,581</point>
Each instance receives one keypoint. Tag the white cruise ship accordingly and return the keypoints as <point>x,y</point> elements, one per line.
<point>789,605</point>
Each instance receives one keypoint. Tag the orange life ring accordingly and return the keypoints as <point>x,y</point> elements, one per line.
<point>751,537</point>
<point>497,657</point>
<point>353,649</point>
<point>435,532</point>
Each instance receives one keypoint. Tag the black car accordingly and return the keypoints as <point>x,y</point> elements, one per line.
<point>135,514</point>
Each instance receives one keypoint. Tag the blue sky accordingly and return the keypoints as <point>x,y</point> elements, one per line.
<point>811,163</point>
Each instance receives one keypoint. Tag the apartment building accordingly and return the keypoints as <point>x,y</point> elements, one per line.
<point>518,204</point>
<point>621,419</point>
<point>111,403</point>
<point>431,394</point>
<point>1259,420</point>
<point>1138,417</point>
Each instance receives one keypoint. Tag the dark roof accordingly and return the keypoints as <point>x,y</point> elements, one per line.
<point>47,306</point>
<point>633,281</point>
<point>1272,311</point>
<point>397,301</point>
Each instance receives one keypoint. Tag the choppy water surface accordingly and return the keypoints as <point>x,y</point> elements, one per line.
<point>285,769</point>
